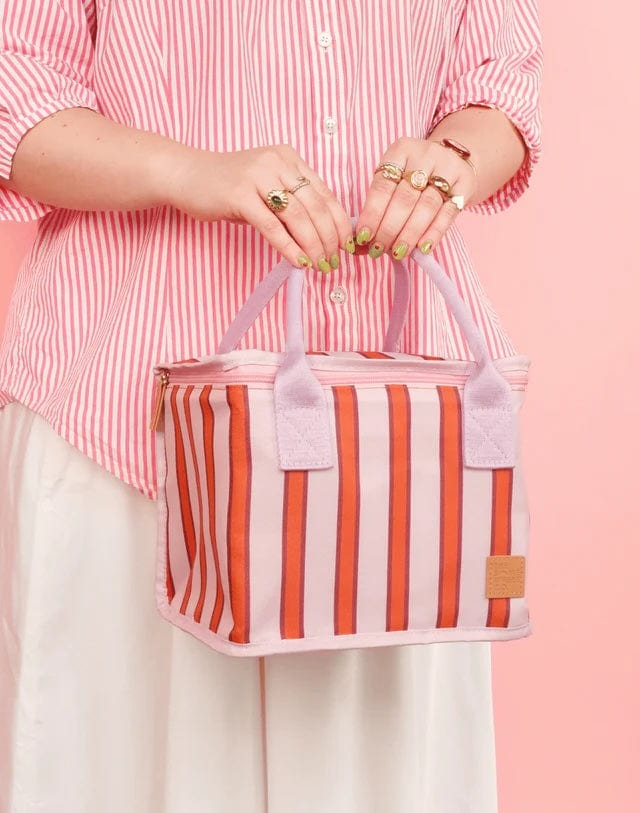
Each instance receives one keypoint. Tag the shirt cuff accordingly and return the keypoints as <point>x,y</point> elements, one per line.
<point>526,121</point>
<point>13,205</point>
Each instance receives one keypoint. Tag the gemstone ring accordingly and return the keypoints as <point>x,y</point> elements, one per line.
<point>277,200</point>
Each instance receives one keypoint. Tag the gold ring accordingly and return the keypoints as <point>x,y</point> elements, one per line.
<point>391,171</point>
<point>458,201</point>
<point>303,182</point>
<point>441,184</point>
<point>277,200</point>
<point>418,179</point>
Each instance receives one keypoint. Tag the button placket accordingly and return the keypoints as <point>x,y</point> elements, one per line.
<point>335,303</point>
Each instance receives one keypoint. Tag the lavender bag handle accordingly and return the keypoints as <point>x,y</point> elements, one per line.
<point>488,417</point>
<point>303,426</point>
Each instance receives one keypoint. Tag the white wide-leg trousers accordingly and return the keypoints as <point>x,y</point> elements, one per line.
<point>107,708</point>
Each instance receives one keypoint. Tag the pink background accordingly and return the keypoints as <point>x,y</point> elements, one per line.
<point>562,270</point>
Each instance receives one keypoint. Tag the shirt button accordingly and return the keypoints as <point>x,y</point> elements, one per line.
<point>325,39</point>
<point>330,125</point>
<point>338,295</point>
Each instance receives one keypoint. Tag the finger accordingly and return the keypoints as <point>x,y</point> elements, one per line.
<point>380,193</point>
<point>320,202</point>
<point>299,223</point>
<point>276,233</point>
<point>435,231</point>
<point>426,229</point>
<point>438,227</point>
<point>425,211</point>
<point>341,219</point>
<point>399,210</point>
<point>404,201</point>
<point>321,217</point>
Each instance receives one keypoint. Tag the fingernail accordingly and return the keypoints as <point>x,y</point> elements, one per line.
<point>376,250</point>
<point>350,246</point>
<point>399,250</point>
<point>363,236</point>
<point>323,265</point>
<point>335,261</point>
<point>305,261</point>
<point>425,248</point>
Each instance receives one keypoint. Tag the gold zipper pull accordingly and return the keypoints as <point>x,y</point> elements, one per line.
<point>157,412</point>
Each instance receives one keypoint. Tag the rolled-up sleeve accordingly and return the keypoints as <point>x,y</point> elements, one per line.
<point>46,65</point>
<point>496,61</point>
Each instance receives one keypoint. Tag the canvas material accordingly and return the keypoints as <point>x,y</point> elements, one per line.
<point>387,547</point>
<point>296,516</point>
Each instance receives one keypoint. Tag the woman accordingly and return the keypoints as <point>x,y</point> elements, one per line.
<point>146,137</point>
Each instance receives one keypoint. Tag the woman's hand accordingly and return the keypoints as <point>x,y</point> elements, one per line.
<point>395,216</point>
<point>234,186</point>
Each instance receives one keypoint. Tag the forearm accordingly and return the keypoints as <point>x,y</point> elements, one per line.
<point>79,159</point>
<point>497,149</point>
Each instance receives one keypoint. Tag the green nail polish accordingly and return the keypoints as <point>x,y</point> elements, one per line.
<point>350,246</point>
<point>323,265</point>
<point>376,250</point>
<point>335,261</point>
<point>363,236</point>
<point>399,250</point>
<point>425,248</point>
<point>305,261</point>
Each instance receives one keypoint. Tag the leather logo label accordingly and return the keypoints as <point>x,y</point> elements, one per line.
<point>505,577</point>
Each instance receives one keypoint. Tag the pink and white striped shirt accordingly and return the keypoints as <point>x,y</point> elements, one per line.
<point>103,296</point>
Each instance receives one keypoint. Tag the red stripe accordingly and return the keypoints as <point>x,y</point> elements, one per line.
<point>294,529</point>
<point>501,503</point>
<point>208,427</point>
<point>374,354</point>
<point>171,589</point>
<point>239,511</point>
<point>188,528</point>
<point>348,528</point>
<point>399,506</point>
<point>450,506</point>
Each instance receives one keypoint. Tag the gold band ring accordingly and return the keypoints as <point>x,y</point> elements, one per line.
<point>391,171</point>
<point>278,199</point>
<point>441,184</point>
<point>303,182</point>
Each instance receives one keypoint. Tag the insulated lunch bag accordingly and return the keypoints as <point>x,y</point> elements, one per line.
<point>313,501</point>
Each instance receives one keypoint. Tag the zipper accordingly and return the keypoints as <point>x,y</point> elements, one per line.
<point>267,375</point>
<point>328,377</point>
<point>162,388</point>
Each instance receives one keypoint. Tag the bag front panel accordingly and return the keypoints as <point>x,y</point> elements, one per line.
<point>388,546</point>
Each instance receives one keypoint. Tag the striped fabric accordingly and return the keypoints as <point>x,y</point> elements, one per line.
<point>102,295</point>
<point>388,546</point>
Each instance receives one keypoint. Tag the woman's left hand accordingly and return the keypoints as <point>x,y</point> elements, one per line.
<point>395,216</point>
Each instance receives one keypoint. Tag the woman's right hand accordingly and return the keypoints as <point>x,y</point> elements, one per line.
<point>234,185</point>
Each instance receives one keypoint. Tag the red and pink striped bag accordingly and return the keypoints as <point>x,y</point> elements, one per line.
<point>338,500</point>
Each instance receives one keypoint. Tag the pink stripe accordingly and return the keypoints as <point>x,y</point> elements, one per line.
<point>104,296</point>
<point>191,417</point>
